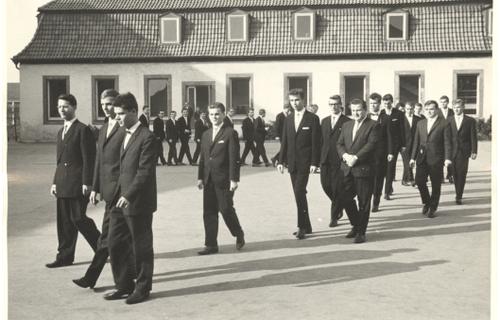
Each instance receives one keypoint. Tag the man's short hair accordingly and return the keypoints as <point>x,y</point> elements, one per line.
<point>336,97</point>
<point>375,96</point>
<point>173,111</point>
<point>459,102</point>
<point>419,104</point>
<point>217,105</point>
<point>410,103</point>
<point>127,102</point>
<point>388,97</point>
<point>358,102</point>
<point>185,109</point>
<point>445,98</point>
<point>68,97</point>
<point>109,93</point>
<point>296,92</point>
<point>144,107</point>
<point>429,102</point>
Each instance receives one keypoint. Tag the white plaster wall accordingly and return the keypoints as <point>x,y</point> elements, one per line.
<point>268,83</point>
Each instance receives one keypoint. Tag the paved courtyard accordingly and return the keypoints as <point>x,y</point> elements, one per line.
<point>411,267</point>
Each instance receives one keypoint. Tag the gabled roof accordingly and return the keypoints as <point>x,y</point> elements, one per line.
<point>345,31</point>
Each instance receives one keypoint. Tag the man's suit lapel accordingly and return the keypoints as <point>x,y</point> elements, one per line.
<point>217,137</point>
<point>454,126</point>
<point>130,142</point>
<point>301,124</point>
<point>113,131</point>
<point>360,131</point>
<point>71,130</point>
<point>436,123</point>
<point>348,133</point>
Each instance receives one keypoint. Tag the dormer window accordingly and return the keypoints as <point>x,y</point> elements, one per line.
<point>304,25</point>
<point>171,29</point>
<point>396,26</point>
<point>237,26</point>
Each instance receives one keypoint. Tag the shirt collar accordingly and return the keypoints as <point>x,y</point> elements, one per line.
<point>70,122</point>
<point>133,128</point>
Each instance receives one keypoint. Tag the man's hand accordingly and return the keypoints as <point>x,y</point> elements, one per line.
<point>93,198</point>
<point>200,184</point>
<point>447,163</point>
<point>170,140</point>
<point>412,163</point>
<point>233,186</point>
<point>198,140</point>
<point>85,190</point>
<point>122,202</point>
<point>280,168</point>
<point>346,157</point>
<point>312,169</point>
<point>390,157</point>
<point>53,191</point>
<point>276,138</point>
<point>473,156</point>
<point>353,161</point>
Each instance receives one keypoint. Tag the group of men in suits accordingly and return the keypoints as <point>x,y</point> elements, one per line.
<point>254,133</point>
<point>122,173</point>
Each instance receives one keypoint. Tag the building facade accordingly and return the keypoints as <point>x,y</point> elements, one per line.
<point>249,53</point>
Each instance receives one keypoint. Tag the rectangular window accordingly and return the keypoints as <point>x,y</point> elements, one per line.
<point>397,26</point>
<point>237,28</point>
<point>158,93</point>
<point>198,96</point>
<point>304,26</point>
<point>53,86</point>
<point>240,93</point>
<point>467,90</point>
<point>353,85</point>
<point>409,88</point>
<point>99,84</point>
<point>170,30</point>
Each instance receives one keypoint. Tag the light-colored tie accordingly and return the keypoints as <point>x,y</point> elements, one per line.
<point>127,138</point>
<point>297,120</point>
<point>355,129</point>
<point>65,130</point>
<point>334,122</point>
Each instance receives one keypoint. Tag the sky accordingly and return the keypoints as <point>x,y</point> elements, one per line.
<point>21,25</point>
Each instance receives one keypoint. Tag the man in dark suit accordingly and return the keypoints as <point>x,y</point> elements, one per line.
<point>159,132</point>
<point>410,122</point>
<point>356,146</point>
<point>431,149</point>
<point>300,150</point>
<point>384,148</point>
<point>446,113</point>
<point>130,226</point>
<point>172,135</point>
<point>463,134</point>
<point>248,130</point>
<point>331,175</point>
<point>106,172</point>
<point>184,131</point>
<point>419,112</point>
<point>228,119</point>
<point>201,125</point>
<point>397,133</point>
<point>72,183</point>
<point>260,138</point>
<point>144,118</point>
<point>218,176</point>
<point>278,125</point>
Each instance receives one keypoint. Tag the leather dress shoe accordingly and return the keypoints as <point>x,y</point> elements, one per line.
<point>268,164</point>
<point>117,294</point>
<point>387,196</point>
<point>451,179</point>
<point>351,234</point>
<point>425,210</point>
<point>58,264</point>
<point>255,165</point>
<point>208,250</point>
<point>432,213</point>
<point>240,241</point>
<point>360,238</point>
<point>308,231</point>
<point>375,208</point>
<point>333,223</point>
<point>301,234</point>
<point>458,201</point>
<point>84,283</point>
<point>137,297</point>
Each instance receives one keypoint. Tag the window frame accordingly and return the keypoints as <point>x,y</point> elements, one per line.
<point>286,86</point>
<point>147,102</point>
<point>178,20</point>
<point>480,89</point>
<point>189,84</point>
<point>45,87</point>
<point>406,17</point>
<point>366,85</point>
<point>237,14</point>
<point>312,25</point>
<point>420,73</point>
<point>229,102</point>
<point>96,100</point>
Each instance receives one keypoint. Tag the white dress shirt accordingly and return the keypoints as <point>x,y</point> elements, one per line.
<point>430,123</point>
<point>357,125</point>
<point>130,132</point>
<point>335,118</point>
<point>458,120</point>
<point>111,125</point>
<point>215,130</point>
<point>298,118</point>
<point>375,116</point>
<point>67,125</point>
<point>410,118</point>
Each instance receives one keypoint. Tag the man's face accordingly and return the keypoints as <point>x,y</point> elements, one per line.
<point>335,106</point>
<point>409,109</point>
<point>387,104</point>
<point>203,116</point>
<point>418,109</point>
<point>124,117</point>
<point>431,110</point>
<point>374,106</point>
<point>296,102</point>
<point>443,103</point>
<point>357,111</point>
<point>172,115</point>
<point>146,111</point>
<point>107,107</point>
<point>185,113</point>
<point>216,116</point>
<point>161,114</point>
<point>66,110</point>
<point>230,112</point>
<point>458,108</point>
<point>262,113</point>
<point>251,113</point>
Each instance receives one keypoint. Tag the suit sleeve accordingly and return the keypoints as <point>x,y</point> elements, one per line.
<point>201,165</point>
<point>97,168</point>
<point>234,157</point>
<point>371,144</point>
<point>473,136</point>
<point>147,163</point>
<point>402,127</point>
<point>447,141</point>
<point>88,149</point>
<point>284,143</point>
<point>416,142</point>
<point>390,147</point>
<point>316,141</point>
<point>341,142</point>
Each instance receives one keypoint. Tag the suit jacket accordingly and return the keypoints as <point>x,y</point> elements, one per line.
<point>107,166</point>
<point>329,154</point>
<point>384,145</point>
<point>451,113</point>
<point>463,139</point>
<point>248,129</point>
<point>220,158</point>
<point>228,122</point>
<point>302,148</point>
<point>280,121</point>
<point>137,180</point>
<point>410,131</point>
<point>433,147</point>
<point>144,121</point>
<point>260,129</point>
<point>396,130</point>
<point>75,160</point>
<point>199,128</point>
<point>363,146</point>
<point>159,128</point>
<point>171,130</point>
<point>183,128</point>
